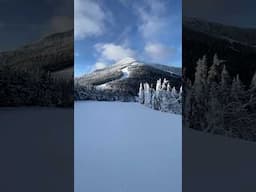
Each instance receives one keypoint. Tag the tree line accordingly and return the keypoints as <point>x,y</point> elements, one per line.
<point>219,103</point>
<point>163,97</point>
<point>33,88</point>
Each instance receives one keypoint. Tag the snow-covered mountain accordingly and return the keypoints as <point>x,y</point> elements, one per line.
<point>52,53</point>
<point>39,73</point>
<point>246,36</point>
<point>123,79</point>
<point>234,45</point>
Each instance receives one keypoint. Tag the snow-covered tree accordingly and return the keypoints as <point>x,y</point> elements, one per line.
<point>174,93</point>
<point>199,93</point>
<point>163,98</point>
<point>147,95</point>
<point>180,93</point>
<point>214,103</point>
<point>213,72</point>
<point>200,82</point>
<point>225,85</point>
<point>158,86</point>
<point>141,94</point>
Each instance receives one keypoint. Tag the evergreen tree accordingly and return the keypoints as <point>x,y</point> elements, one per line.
<point>213,72</point>
<point>174,93</point>
<point>163,98</point>
<point>200,95</point>
<point>147,95</point>
<point>141,94</point>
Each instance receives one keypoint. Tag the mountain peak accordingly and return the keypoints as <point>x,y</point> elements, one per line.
<point>126,60</point>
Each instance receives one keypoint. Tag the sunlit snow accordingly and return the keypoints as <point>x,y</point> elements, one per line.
<point>123,147</point>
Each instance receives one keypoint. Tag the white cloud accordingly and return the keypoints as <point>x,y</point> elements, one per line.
<point>153,20</point>
<point>99,65</point>
<point>158,52</point>
<point>89,19</point>
<point>113,52</point>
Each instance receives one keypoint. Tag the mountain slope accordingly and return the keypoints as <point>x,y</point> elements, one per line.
<point>234,45</point>
<point>124,78</point>
<point>232,33</point>
<point>52,53</point>
<point>39,73</point>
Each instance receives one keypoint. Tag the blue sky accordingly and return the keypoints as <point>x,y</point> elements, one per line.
<point>109,30</point>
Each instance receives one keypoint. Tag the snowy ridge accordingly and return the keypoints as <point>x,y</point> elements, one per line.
<point>233,34</point>
<point>125,61</point>
<point>128,61</point>
<point>122,80</point>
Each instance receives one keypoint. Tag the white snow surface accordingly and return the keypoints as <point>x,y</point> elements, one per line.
<point>123,147</point>
<point>102,86</point>
<point>37,148</point>
<point>214,163</point>
<point>126,73</point>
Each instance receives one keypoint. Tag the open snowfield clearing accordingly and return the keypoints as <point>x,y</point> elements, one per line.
<point>126,147</point>
<point>37,149</point>
<point>213,163</point>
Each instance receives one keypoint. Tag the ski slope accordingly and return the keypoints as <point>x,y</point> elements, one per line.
<point>126,147</point>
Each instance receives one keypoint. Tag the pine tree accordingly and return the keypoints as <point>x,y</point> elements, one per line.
<point>213,72</point>
<point>141,94</point>
<point>158,86</point>
<point>225,85</point>
<point>252,94</point>
<point>163,98</point>
<point>180,94</point>
<point>214,114</point>
<point>200,95</point>
<point>169,88</point>
<point>164,85</point>
<point>147,95</point>
<point>174,93</point>
<point>155,103</point>
<point>235,111</point>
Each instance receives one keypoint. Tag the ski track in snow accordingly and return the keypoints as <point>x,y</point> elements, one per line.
<point>102,86</point>
<point>126,73</point>
<point>126,147</point>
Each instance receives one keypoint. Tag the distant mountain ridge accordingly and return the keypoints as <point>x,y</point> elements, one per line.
<point>232,33</point>
<point>234,45</point>
<point>51,54</point>
<point>39,73</point>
